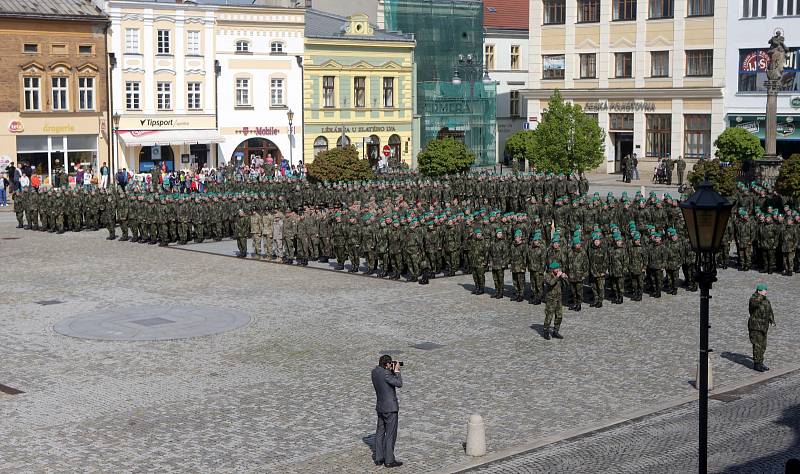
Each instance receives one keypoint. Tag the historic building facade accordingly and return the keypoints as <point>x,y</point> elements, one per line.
<point>750,26</point>
<point>163,84</point>
<point>260,54</point>
<point>358,89</point>
<point>651,71</point>
<point>53,101</point>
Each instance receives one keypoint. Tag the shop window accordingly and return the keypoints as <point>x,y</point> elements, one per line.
<point>553,66</point>
<point>554,12</point>
<point>588,11</point>
<point>394,150</point>
<point>701,8</point>
<point>320,145</point>
<point>373,149</point>
<point>700,63</point>
<point>32,91</point>
<point>697,136</point>
<point>156,156</point>
<point>623,65</point>
<point>343,141</point>
<point>659,135</point>
<point>328,92</point>
<point>753,70</point>
<point>661,9</point>
<point>659,64</point>
<point>30,48</point>
<point>588,66</point>
<point>624,10</point>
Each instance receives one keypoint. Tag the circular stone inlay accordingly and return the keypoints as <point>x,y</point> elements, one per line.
<point>151,323</point>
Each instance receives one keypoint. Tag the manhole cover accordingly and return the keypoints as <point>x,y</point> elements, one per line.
<point>427,346</point>
<point>9,390</point>
<point>48,302</point>
<point>152,323</point>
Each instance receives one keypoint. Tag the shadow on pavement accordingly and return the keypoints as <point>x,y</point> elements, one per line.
<point>737,358</point>
<point>777,462</point>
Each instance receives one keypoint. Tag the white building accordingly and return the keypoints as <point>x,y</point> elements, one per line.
<point>163,84</point>
<point>505,55</point>
<point>259,51</point>
<point>751,24</point>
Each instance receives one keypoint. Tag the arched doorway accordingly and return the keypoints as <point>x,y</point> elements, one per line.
<point>156,156</point>
<point>320,145</point>
<point>343,141</point>
<point>256,148</point>
<point>374,150</point>
<point>395,158</point>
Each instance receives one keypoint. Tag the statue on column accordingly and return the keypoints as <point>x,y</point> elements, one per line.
<point>778,54</point>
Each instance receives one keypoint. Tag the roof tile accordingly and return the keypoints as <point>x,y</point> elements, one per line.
<point>506,14</point>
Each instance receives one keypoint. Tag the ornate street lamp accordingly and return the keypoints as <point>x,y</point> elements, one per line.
<point>290,116</point>
<point>706,214</point>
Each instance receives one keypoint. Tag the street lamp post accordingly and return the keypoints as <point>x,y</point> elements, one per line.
<point>706,215</point>
<point>466,65</point>
<point>115,144</point>
<point>290,116</point>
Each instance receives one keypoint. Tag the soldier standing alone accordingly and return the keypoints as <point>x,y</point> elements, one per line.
<point>680,167</point>
<point>761,317</point>
<point>552,303</point>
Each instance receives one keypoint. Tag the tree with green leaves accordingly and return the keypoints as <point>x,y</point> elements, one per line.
<point>521,144</point>
<point>788,182</point>
<point>567,139</point>
<point>722,178</point>
<point>339,164</point>
<point>445,156</point>
<point>737,145</point>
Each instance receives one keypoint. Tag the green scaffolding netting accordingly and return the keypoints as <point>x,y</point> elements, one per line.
<point>445,29</point>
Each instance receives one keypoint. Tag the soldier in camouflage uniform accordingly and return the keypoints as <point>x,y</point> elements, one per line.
<point>617,264</point>
<point>761,317</point>
<point>396,243</point>
<point>478,258</point>
<point>256,232</point>
<point>672,265</point>
<point>553,312</point>
<point>744,230</point>
<point>788,245</point>
<point>108,213</point>
<point>339,240</point>
<point>498,261</point>
<point>637,265</point>
<point>536,263</point>
<point>598,269</point>
<point>578,266</point>
<point>518,260</point>
<point>242,230</point>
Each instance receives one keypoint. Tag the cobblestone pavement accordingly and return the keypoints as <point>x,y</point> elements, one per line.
<point>751,430</point>
<point>290,392</point>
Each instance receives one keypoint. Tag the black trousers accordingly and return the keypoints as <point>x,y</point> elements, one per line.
<point>385,437</point>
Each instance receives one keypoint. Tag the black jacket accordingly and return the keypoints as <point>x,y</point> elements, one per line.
<point>385,382</point>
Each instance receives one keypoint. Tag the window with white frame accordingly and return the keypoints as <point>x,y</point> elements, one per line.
<point>85,93</point>
<point>623,65</point>
<point>700,62</point>
<point>164,95</point>
<point>193,95</point>
<point>488,56</point>
<point>360,91</point>
<point>32,87</point>
<point>388,92</point>
<point>515,56</point>
<point>661,9</point>
<point>328,91</point>
<point>553,66</point>
<point>624,10</point>
<point>555,12</point>
<point>588,65</point>
<point>276,93</point>
<point>242,92</point>
<point>588,11</point>
<point>242,46</point>
<point>60,93</point>
<point>659,64</point>
<point>754,8</point>
<point>131,40</point>
<point>513,103</point>
<point>133,95</point>
<point>193,42</point>
<point>163,42</point>
<point>788,7</point>
<point>276,47</point>
<point>701,8</point>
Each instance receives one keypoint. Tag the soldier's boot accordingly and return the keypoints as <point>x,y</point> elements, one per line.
<point>474,290</point>
<point>480,290</point>
<point>578,307</point>
<point>425,277</point>
<point>598,303</point>
<point>759,367</point>
<point>412,279</point>
<point>556,335</point>
<point>111,237</point>
<point>546,333</point>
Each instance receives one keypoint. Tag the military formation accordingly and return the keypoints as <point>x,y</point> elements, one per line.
<point>415,228</point>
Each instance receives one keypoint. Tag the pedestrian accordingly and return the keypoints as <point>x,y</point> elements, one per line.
<point>3,190</point>
<point>552,302</point>
<point>635,167</point>
<point>104,171</point>
<point>386,380</point>
<point>761,317</point>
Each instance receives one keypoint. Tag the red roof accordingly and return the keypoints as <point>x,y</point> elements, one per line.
<point>506,14</point>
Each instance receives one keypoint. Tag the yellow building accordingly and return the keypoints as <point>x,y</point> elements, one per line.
<point>651,71</point>
<point>358,89</point>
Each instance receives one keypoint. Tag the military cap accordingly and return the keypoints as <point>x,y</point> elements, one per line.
<point>761,287</point>
<point>554,265</point>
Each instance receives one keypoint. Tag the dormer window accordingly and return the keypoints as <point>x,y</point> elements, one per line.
<point>276,47</point>
<point>242,46</point>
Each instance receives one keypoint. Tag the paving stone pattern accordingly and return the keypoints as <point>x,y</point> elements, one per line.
<point>290,392</point>
<point>756,431</point>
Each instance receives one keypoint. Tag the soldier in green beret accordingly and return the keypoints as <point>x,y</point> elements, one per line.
<point>578,266</point>
<point>478,257</point>
<point>498,261</point>
<point>761,317</point>
<point>518,260</point>
<point>552,304</point>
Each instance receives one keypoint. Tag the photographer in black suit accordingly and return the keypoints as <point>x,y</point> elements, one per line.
<point>386,379</point>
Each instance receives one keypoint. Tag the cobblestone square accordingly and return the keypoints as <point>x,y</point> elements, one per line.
<point>290,391</point>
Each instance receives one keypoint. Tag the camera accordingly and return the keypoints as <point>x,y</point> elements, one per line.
<point>398,363</point>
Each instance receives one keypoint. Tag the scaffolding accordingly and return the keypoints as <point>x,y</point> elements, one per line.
<point>444,31</point>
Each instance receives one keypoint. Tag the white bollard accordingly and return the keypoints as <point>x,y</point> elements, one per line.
<point>476,436</point>
<point>710,373</point>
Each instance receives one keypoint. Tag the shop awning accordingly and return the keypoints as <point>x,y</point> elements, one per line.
<point>169,137</point>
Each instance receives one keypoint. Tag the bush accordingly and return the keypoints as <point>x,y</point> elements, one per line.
<point>339,164</point>
<point>737,145</point>
<point>521,145</point>
<point>723,178</point>
<point>788,182</point>
<point>445,156</point>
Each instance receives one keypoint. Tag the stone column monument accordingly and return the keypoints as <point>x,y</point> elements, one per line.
<point>769,165</point>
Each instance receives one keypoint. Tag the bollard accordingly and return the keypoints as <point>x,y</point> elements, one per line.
<point>476,436</point>
<point>710,373</point>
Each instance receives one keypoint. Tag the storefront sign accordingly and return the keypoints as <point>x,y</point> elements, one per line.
<point>167,122</point>
<point>448,107</point>
<point>786,128</point>
<point>630,106</point>
<point>388,128</point>
<point>58,129</point>
<point>15,126</point>
<point>263,131</point>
